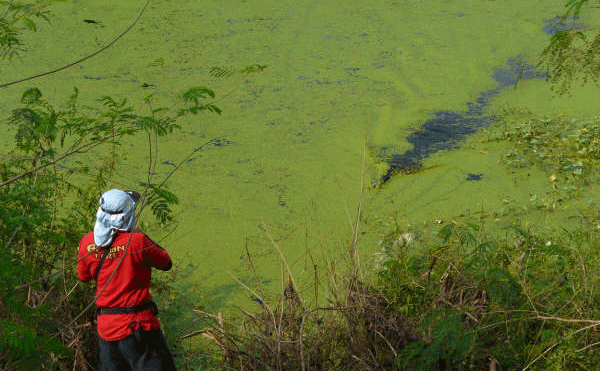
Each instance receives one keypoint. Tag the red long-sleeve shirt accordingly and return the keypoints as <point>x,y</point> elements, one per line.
<point>129,284</point>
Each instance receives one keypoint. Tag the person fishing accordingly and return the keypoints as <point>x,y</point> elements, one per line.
<point>120,258</point>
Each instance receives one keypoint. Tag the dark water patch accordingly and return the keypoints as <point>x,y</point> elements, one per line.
<point>327,82</point>
<point>558,24</point>
<point>221,142</point>
<point>102,77</point>
<point>444,131</point>
<point>256,299</point>
<point>447,128</point>
<point>386,54</point>
<point>472,177</point>
<point>280,201</point>
<point>352,71</point>
<point>517,70</point>
<point>93,78</point>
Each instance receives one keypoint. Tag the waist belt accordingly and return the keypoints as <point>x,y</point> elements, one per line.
<point>128,310</point>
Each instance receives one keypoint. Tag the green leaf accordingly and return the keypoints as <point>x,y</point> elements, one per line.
<point>29,24</point>
<point>160,201</point>
<point>159,62</point>
<point>503,287</point>
<point>31,96</point>
<point>213,108</point>
<point>574,6</point>
<point>193,94</point>
<point>253,69</point>
<point>221,72</point>
<point>75,94</point>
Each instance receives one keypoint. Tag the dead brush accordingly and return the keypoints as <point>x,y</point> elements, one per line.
<point>461,294</point>
<point>376,330</point>
<point>267,340</point>
<point>361,333</point>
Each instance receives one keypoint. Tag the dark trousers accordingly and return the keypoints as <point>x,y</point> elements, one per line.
<point>140,351</point>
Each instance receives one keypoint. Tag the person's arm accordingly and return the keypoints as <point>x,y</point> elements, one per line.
<point>83,270</point>
<point>156,256</point>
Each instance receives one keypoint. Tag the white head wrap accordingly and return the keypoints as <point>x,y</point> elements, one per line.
<point>116,213</point>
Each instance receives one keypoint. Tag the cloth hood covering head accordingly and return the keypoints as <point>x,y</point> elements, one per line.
<point>116,213</point>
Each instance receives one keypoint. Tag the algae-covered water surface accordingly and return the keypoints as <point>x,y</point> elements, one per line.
<point>396,84</point>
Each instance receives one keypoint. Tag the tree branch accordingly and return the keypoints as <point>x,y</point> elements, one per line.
<point>84,148</point>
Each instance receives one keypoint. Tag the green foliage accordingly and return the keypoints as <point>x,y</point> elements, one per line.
<point>46,206</point>
<point>221,72</point>
<point>9,42</point>
<point>567,150</point>
<point>224,72</point>
<point>446,351</point>
<point>504,288</point>
<point>254,68</point>
<point>160,201</point>
<point>36,123</point>
<point>24,338</point>
<point>504,297</point>
<point>572,54</point>
<point>192,99</point>
<point>574,7</point>
<point>17,17</point>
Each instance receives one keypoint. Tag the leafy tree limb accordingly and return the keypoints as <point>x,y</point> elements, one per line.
<point>572,54</point>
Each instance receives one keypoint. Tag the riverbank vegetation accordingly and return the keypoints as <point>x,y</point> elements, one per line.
<point>469,293</point>
<point>464,293</point>
<point>48,190</point>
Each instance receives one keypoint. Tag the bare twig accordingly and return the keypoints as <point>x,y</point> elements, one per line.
<point>83,149</point>
<point>306,314</point>
<point>592,325</point>
<point>354,255</point>
<point>567,320</point>
<point>388,343</point>
<point>587,347</point>
<point>263,302</point>
<point>540,356</point>
<point>284,262</point>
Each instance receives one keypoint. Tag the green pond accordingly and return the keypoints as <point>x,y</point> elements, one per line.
<point>345,80</point>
